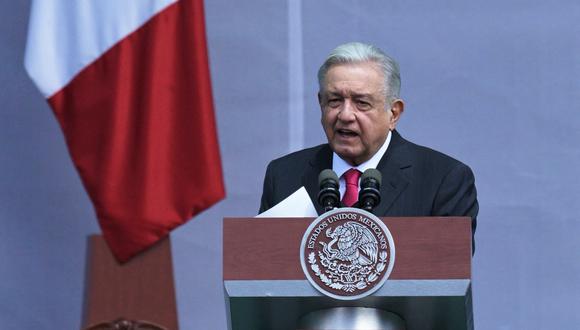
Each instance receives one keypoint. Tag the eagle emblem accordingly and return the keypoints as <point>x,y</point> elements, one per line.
<point>356,244</point>
<point>347,253</point>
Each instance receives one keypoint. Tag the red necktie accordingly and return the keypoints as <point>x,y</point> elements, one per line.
<point>351,194</point>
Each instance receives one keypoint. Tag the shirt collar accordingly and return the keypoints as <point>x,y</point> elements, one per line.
<point>340,166</point>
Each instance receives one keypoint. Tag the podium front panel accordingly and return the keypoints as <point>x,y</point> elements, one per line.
<point>430,286</point>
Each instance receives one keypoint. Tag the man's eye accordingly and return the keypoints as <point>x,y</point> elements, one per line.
<point>334,103</point>
<point>363,105</point>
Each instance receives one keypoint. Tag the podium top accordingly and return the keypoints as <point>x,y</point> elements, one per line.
<point>428,248</point>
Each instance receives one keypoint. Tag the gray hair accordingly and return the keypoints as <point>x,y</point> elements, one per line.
<point>356,52</point>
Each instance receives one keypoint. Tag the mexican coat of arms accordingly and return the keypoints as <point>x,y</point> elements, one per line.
<point>347,253</point>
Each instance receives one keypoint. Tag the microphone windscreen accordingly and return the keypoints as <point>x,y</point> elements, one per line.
<point>371,173</point>
<point>326,175</point>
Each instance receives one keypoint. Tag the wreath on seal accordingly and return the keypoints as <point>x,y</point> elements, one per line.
<point>345,278</point>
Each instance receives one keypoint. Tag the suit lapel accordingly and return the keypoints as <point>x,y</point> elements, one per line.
<point>321,161</point>
<point>391,166</point>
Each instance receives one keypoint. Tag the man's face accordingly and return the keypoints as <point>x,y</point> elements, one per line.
<point>355,116</point>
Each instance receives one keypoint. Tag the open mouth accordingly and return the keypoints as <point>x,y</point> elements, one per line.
<point>346,133</point>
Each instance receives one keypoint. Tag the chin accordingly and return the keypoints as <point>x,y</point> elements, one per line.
<point>347,156</point>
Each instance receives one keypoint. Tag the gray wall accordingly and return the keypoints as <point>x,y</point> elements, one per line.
<point>493,83</point>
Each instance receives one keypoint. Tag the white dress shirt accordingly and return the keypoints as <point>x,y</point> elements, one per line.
<point>339,166</point>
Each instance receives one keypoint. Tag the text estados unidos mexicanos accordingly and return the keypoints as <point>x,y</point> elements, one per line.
<point>347,216</point>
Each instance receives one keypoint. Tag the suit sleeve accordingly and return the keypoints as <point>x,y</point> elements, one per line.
<point>457,195</point>
<point>267,190</point>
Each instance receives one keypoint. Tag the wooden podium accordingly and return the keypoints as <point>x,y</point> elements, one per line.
<point>430,286</point>
<point>139,294</point>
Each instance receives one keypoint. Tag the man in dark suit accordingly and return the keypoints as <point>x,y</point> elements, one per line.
<point>360,106</point>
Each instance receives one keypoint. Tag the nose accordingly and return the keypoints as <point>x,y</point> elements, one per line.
<point>347,112</point>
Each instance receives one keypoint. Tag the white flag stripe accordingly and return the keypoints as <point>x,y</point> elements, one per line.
<point>64,36</point>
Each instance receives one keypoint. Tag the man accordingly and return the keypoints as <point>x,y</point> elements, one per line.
<point>360,106</point>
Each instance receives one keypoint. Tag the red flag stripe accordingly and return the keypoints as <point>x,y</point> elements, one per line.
<point>140,128</point>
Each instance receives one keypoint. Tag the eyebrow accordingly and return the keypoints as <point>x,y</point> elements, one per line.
<point>354,95</point>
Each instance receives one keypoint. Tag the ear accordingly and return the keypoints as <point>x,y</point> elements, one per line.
<point>397,109</point>
<point>321,109</point>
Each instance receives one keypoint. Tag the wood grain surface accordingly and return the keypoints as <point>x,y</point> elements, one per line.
<point>268,249</point>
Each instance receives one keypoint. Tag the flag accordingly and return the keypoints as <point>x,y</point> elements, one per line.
<point>129,84</point>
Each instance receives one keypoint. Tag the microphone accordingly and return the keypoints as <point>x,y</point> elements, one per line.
<point>329,195</point>
<point>370,189</point>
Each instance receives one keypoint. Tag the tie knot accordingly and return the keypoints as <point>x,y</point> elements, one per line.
<point>351,176</point>
<point>351,193</point>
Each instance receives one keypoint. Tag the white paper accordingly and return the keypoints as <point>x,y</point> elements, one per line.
<point>296,205</point>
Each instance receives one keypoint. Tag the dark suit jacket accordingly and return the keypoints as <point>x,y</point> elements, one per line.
<point>417,181</point>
